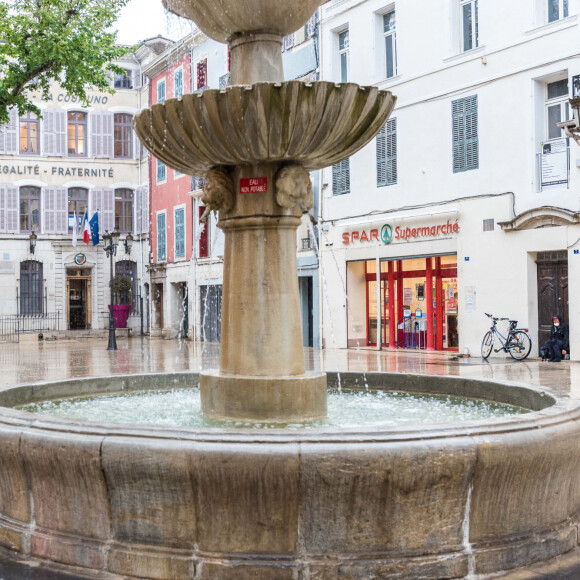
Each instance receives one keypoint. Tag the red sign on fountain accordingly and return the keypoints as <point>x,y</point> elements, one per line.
<point>254,185</point>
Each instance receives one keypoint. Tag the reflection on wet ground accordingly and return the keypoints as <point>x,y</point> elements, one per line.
<point>52,360</point>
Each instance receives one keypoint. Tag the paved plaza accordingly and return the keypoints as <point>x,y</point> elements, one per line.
<point>33,360</point>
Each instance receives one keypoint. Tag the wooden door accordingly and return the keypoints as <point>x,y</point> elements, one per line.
<point>552,296</point>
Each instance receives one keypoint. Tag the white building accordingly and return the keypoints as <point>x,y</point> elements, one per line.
<point>469,199</point>
<point>75,159</point>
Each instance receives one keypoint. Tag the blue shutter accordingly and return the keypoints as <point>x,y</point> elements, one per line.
<point>161,171</point>
<point>465,134</point>
<point>341,177</point>
<point>387,154</point>
<point>180,233</point>
<point>161,251</point>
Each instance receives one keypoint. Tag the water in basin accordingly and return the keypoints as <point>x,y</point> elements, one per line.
<point>346,409</point>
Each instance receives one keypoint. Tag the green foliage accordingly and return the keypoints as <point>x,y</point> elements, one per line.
<point>42,41</point>
<point>122,287</point>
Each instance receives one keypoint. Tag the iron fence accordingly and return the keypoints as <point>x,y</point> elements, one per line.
<point>13,325</point>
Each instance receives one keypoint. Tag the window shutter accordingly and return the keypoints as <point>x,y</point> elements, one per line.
<point>136,78</point>
<point>391,152</point>
<point>61,125</point>
<point>465,134</point>
<point>381,157</point>
<point>288,41</point>
<point>96,204</point>
<point>3,208</point>
<point>107,213</point>
<point>96,120</point>
<point>9,134</point>
<point>138,150</point>
<point>180,233</point>
<point>48,133</point>
<point>108,146</point>
<point>61,210</point>
<point>161,237</point>
<point>49,204</point>
<point>145,209</point>
<point>311,26</point>
<point>11,203</point>
<point>341,177</point>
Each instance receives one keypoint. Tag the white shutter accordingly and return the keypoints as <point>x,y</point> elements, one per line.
<point>12,209</point>
<point>96,120</point>
<point>9,134</point>
<point>54,131</point>
<point>107,213</point>
<point>48,132</point>
<point>61,210</point>
<point>48,215</point>
<point>137,221</point>
<point>3,208</point>
<point>108,135</point>
<point>142,210</point>
<point>136,78</point>
<point>60,130</point>
<point>96,204</point>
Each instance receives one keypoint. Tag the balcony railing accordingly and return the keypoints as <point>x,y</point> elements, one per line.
<point>224,81</point>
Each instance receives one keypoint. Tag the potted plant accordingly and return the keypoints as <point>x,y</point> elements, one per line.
<point>122,287</point>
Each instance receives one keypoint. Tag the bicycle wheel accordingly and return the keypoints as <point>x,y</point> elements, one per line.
<point>487,344</point>
<point>521,345</point>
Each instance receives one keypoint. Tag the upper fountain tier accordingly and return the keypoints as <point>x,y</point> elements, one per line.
<point>316,125</point>
<point>222,19</point>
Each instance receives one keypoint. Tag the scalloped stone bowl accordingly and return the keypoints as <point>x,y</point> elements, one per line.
<point>443,501</point>
<point>315,125</point>
<point>221,19</point>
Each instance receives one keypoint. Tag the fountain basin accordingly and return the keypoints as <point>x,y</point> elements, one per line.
<point>214,503</point>
<point>315,125</point>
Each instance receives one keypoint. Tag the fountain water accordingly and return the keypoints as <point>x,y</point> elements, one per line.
<point>443,501</point>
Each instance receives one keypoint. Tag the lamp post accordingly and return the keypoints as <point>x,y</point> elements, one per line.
<point>111,241</point>
<point>128,243</point>
<point>32,239</point>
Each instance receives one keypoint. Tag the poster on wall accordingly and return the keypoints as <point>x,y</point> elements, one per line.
<point>555,164</point>
<point>407,295</point>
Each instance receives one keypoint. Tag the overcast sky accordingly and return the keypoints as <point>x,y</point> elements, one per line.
<point>142,19</point>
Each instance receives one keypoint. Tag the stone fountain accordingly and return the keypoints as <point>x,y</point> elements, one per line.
<point>254,143</point>
<point>112,501</point>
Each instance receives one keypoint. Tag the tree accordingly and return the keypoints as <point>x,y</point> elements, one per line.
<point>67,41</point>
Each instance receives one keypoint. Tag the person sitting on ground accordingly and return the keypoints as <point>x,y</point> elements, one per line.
<point>558,344</point>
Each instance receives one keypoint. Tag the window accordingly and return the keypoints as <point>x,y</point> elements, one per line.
<point>557,9</point>
<point>30,287</point>
<point>343,53</point>
<point>77,203</point>
<point>557,107</point>
<point>123,135</point>
<point>341,177</point>
<point>161,171</point>
<point>77,134</point>
<point>390,44</point>
<point>123,81</point>
<point>178,84</point>
<point>387,154</point>
<point>29,209</point>
<point>201,74</point>
<point>203,245</point>
<point>124,210</point>
<point>179,219</point>
<point>161,91</point>
<point>469,24</point>
<point>29,135</point>
<point>465,135</point>
<point>161,246</point>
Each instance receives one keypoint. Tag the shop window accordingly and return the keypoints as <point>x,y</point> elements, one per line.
<point>161,238</point>
<point>465,134</point>
<point>31,288</point>
<point>179,230</point>
<point>161,91</point>
<point>123,135</point>
<point>29,209</point>
<point>77,205</point>
<point>123,81</point>
<point>469,26</point>
<point>341,177</point>
<point>203,245</point>
<point>77,134</point>
<point>29,135</point>
<point>557,9</point>
<point>178,84</point>
<point>387,154</point>
<point>389,30</point>
<point>124,210</point>
<point>343,55</point>
<point>161,171</point>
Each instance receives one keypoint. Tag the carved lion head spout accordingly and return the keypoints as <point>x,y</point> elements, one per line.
<point>218,192</point>
<point>293,187</point>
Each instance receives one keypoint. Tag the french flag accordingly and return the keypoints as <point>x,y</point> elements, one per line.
<point>86,229</point>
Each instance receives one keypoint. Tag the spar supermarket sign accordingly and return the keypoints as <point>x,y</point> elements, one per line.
<point>387,233</point>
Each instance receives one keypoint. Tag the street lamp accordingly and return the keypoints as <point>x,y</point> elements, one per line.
<point>572,126</point>
<point>128,243</point>
<point>111,240</point>
<point>32,237</point>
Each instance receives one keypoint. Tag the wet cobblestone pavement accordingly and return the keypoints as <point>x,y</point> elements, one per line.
<point>32,360</point>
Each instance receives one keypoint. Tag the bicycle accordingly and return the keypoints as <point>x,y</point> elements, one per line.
<point>517,342</point>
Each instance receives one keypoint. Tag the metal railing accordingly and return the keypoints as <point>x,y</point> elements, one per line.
<point>13,325</point>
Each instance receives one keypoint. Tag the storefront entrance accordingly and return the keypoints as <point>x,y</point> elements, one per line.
<point>78,291</point>
<point>413,292</point>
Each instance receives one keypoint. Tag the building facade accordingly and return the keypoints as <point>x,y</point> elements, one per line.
<point>74,160</point>
<point>467,201</point>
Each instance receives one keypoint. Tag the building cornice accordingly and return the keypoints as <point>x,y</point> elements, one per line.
<point>541,217</point>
